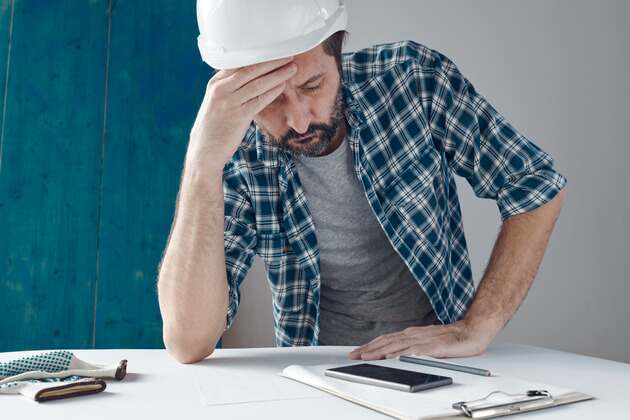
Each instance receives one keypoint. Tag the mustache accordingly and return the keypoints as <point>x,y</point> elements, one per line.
<point>312,129</point>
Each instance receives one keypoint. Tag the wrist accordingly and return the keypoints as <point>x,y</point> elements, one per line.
<point>201,162</point>
<point>199,171</point>
<point>482,329</point>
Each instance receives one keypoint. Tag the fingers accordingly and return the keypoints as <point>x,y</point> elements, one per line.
<point>266,82</point>
<point>246,88</point>
<point>379,350</point>
<point>434,347</point>
<point>258,103</point>
<point>441,346</point>
<point>387,338</point>
<point>392,347</point>
<point>376,343</point>
<point>425,333</point>
<point>230,80</point>
<point>423,349</point>
<point>435,341</point>
<point>222,74</point>
<point>382,339</point>
<point>246,74</point>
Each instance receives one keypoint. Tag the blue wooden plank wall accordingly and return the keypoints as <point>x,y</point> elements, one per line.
<point>97,98</point>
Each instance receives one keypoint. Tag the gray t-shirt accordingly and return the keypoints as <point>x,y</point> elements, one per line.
<point>366,288</point>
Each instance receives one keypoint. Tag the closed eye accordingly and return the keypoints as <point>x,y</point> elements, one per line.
<point>312,88</point>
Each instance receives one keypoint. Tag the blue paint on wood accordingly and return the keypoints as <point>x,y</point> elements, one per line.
<point>49,185</point>
<point>6,12</point>
<point>156,83</point>
<point>86,204</point>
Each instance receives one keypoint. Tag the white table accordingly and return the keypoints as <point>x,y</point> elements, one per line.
<point>158,387</point>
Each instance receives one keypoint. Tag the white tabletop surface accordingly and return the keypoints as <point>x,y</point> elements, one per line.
<point>158,387</point>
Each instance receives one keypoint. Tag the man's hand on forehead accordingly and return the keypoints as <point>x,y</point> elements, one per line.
<point>233,97</point>
<point>240,76</point>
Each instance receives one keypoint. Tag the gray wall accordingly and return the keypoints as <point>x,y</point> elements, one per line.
<point>558,71</point>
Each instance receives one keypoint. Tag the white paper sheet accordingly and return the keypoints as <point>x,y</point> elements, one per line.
<point>231,385</point>
<point>251,375</point>
<point>432,402</point>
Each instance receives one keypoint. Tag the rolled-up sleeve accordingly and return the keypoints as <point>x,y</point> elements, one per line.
<point>239,238</point>
<point>480,145</point>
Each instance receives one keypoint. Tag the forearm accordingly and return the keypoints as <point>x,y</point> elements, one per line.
<point>192,286</point>
<point>513,265</point>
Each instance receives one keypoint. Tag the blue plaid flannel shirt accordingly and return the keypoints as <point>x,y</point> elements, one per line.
<point>414,121</point>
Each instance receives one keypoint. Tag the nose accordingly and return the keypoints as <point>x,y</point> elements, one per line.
<point>298,116</point>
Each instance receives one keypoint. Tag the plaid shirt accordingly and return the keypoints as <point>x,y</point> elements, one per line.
<point>414,122</point>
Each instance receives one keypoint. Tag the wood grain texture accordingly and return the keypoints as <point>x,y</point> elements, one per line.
<point>155,85</point>
<point>6,9</point>
<point>49,185</point>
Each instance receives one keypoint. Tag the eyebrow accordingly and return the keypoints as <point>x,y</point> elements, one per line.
<point>312,79</point>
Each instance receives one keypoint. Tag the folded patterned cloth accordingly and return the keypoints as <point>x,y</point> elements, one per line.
<point>56,374</point>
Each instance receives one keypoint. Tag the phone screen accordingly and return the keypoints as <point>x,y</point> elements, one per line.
<point>412,379</point>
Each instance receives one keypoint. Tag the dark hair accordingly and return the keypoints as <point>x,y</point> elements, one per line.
<point>333,45</point>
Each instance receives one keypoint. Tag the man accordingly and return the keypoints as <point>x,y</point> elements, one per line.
<point>338,170</point>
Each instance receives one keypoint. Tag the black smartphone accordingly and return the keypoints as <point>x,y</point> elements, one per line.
<point>400,379</point>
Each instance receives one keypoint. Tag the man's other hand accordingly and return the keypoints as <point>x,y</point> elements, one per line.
<point>452,340</point>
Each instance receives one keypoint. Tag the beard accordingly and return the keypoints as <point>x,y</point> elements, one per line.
<point>324,134</point>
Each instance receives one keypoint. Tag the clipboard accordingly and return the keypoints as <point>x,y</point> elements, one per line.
<point>532,400</point>
<point>504,396</point>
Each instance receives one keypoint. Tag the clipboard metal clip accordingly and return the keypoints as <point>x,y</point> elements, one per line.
<point>514,403</point>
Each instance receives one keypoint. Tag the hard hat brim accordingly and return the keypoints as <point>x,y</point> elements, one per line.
<point>232,59</point>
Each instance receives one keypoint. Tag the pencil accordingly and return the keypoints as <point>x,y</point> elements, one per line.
<point>444,365</point>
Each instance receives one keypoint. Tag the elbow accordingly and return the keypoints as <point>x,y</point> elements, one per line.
<point>559,200</point>
<point>187,351</point>
<point>561,196</point>
<point>188,357</point>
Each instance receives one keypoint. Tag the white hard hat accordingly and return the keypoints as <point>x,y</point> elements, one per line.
<point>235,33</point>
